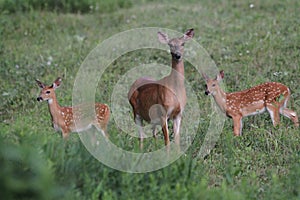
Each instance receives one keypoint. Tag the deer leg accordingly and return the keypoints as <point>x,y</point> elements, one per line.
<point>237,125</point>
<point>164,123</point>
<point>93,139</point>
<point>103,127</point>
<point>274,113</point>
<point>154,131</point>
<point>176,129</point>
<point>65,134</point>
<point>102,130</point>
<point>139,122</point>
<point>291,115</point>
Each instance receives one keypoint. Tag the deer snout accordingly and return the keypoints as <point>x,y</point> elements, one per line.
<point>39,99</point>
<point>176,55</point>
<point>207,92</point>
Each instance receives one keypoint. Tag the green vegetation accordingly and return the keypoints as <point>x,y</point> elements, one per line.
<point>65,6</point>
<point>252,42</point>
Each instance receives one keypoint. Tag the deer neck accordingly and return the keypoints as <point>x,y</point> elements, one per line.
<point>54,109</point>
<point>175,81</point>
<point>176,77</point>
<point>220,98</point>
<point>178,66</point>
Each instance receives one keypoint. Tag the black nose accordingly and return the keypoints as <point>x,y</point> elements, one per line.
<point>207,92</point>
<point>39,99</point>
<point>177,56</point>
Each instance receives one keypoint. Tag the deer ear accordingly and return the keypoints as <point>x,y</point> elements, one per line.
<point>205,77</point>
<point>189,34</point>
<point>56,83</point>
<point>220,76</point>
<point>162,37</point>
<point>40,84</point>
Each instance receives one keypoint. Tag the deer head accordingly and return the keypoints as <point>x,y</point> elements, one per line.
<point>212,85</point>
<point>47,93</point>
<point>176,44</point>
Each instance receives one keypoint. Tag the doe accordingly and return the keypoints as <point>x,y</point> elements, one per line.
<point>63,118</point>
<point>270,96</point>
<point>158,101</point>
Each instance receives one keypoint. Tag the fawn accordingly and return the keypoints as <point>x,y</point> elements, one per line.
<point>62,117</point>
<point>270,96</point>
<point>158,101</point>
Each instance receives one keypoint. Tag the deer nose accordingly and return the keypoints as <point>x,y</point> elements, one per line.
<point>177,56</point>
<point>207,92</point>
<point>39,99</point>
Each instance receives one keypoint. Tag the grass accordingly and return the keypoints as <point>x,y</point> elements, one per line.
<point>66,6</point>
<point>251,44</point>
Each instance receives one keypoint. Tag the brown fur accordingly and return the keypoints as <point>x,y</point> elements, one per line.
<point>158,101</point>
<point>270,96</point>
<point>63,118</point>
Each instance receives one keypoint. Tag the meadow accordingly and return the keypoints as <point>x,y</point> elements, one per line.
<point>252,41</point>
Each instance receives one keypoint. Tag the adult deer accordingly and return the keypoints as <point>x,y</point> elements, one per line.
<point>158,101</point>
<point>63,118</point>
<point>270,96</point>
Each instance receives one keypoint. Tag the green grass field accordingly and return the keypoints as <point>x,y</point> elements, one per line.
<point>252,41</point>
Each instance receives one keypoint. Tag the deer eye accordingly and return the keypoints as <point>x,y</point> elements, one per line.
<point>47,92</point>
<point>213,85</point>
